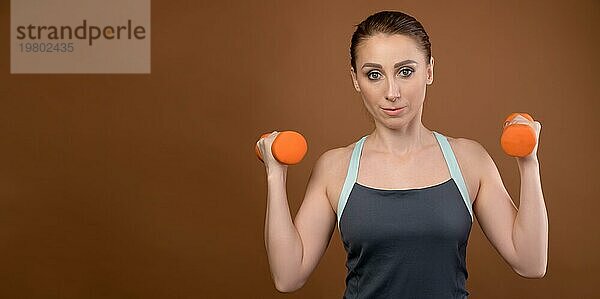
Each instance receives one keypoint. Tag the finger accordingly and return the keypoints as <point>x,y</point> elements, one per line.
<point>519,119</point>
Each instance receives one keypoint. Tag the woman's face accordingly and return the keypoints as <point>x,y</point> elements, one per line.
<point>392,73</point>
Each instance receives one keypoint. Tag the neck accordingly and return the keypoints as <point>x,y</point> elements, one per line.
<point>402,141</point>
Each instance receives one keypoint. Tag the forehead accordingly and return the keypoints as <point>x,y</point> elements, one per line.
<point>388,49</point>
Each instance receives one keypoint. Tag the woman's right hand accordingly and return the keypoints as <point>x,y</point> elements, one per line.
<point>264,146</point>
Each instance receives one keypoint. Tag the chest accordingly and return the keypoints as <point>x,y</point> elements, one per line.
<point>390,218</point>
<point>423,170</point>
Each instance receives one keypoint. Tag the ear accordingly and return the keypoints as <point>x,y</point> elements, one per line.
<point>430,72</point>
<point>354,81</point>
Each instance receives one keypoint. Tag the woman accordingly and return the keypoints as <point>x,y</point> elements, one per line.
<point>406,214</point>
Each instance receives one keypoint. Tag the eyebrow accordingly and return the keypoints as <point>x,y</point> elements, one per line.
<point>408,61</point>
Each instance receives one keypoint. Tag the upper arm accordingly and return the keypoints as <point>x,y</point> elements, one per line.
<point>493,207</point>
<point>315,220</point>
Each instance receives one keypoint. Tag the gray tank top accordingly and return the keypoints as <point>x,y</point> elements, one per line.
<point>405,243</point>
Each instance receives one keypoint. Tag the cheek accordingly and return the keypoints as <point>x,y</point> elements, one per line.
<point>415,89</point>
<point>372,97</point>
<point>371,91</point>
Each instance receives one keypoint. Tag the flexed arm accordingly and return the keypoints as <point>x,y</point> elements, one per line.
<point>519,235</point>
<point>294,248</point>
<point>530,232</point>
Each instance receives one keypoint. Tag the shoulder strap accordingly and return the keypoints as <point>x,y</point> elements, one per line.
<point>454,170</point>
<point>351,175</point>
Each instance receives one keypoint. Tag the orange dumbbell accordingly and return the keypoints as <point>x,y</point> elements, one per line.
<point>517,140</point>
<point>289,147</point>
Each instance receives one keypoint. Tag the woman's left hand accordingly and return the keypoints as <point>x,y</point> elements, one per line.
<point>536,126</point>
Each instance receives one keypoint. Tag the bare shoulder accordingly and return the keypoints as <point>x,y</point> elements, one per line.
<point>335,164</point>
<point>466,147</point>
<point>337,158</point>
<point>469,154</point>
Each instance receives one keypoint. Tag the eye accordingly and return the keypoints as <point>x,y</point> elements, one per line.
<point>404,72</point>
<point>373,72</point>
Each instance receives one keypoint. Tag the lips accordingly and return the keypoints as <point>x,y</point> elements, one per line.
<point>393,111</point>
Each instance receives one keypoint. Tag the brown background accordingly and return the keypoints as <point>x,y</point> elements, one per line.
<point>147,186</point>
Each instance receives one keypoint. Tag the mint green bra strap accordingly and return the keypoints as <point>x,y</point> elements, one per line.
<point>350,178</point>
<point>454,170</point>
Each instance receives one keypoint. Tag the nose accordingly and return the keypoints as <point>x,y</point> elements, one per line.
<point>393,92</point>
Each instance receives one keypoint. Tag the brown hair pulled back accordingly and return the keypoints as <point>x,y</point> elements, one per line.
<point>390,22</point>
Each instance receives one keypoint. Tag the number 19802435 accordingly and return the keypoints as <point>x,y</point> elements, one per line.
<point>46,47</point>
